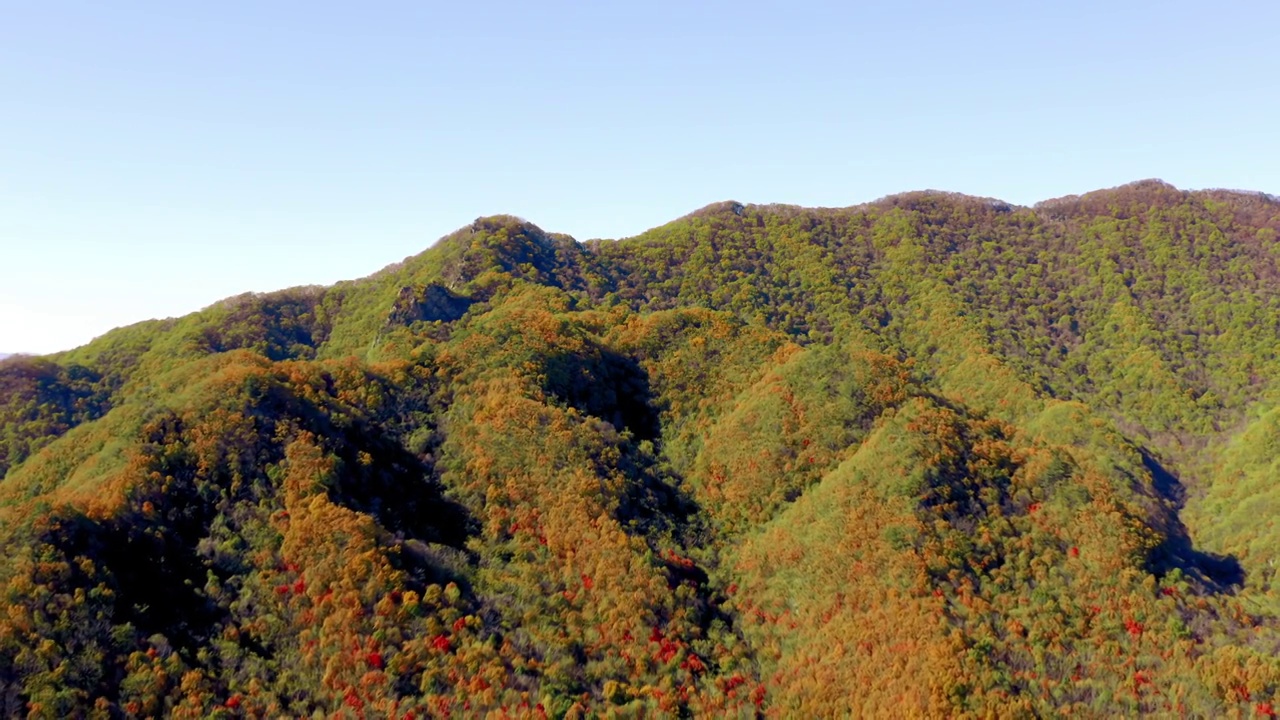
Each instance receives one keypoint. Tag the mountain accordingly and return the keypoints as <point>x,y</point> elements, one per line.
<point>934,455</point>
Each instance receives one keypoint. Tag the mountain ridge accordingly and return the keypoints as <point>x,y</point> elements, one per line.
<point>734,207</point>
<point>933,453</point>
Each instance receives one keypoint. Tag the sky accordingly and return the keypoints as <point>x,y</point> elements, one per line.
<point>157,157</point>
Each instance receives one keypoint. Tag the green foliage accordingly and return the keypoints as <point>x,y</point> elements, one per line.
<point>40,400</point>
<point>928,456</point>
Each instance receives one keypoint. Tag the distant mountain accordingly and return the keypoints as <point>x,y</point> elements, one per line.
<point>934,455</point>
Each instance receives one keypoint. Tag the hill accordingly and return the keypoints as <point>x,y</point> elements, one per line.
<point>934,455</point>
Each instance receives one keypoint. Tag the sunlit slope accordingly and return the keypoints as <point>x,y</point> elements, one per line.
<point>935,452</point>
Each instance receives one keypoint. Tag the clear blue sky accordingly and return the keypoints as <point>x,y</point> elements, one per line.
<point>155,157</point>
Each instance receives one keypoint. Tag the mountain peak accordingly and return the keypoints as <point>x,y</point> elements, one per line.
<point>1150,192</point>
<point>917,198</point>
<point>647,475</point>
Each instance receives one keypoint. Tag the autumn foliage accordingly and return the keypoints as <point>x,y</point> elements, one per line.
<point>934,456</point>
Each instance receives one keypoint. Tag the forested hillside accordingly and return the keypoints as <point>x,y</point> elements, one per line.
<point>935,455</point>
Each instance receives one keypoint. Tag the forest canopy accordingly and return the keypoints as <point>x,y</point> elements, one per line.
<point>934,455</point>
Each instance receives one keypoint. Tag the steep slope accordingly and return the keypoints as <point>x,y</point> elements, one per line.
<point>934,453</point>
